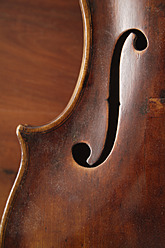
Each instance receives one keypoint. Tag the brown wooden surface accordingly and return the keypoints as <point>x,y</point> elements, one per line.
<point>120,203</point>
<point>40,57</point>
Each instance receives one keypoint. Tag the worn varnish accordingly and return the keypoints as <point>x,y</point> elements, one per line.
<point>63,197</point>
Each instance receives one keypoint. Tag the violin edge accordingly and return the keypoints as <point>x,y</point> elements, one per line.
<point>15,187</point>
<point>86,18</point>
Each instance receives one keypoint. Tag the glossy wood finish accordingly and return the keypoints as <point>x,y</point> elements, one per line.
<point>57,203</point>
<point>40,57</point>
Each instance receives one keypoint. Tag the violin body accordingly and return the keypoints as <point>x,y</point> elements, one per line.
<point>94,177</point>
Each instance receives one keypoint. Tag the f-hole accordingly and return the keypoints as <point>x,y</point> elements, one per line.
<point>81,151</point>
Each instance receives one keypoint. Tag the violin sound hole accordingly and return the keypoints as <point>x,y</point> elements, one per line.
<point>81,151</point>
<point>140,42</point>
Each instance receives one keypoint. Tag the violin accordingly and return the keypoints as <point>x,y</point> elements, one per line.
<point>93,177</point>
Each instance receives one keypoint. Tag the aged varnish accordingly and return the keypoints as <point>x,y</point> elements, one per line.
<point>94,177</point>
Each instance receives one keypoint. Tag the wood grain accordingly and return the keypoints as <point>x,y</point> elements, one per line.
<point>40,57</point>
<point>55,202</point>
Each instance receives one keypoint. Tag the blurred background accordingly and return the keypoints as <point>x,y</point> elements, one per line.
<point>41,46</point>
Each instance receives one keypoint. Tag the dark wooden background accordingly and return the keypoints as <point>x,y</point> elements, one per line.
<point>40,57</point>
